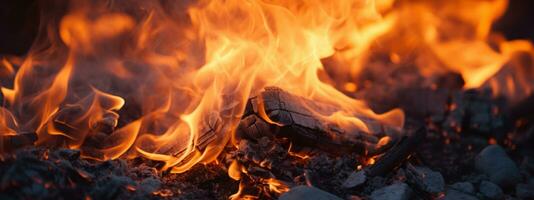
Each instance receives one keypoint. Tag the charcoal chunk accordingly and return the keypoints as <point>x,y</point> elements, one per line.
<point>112,188</point>
<point>69,154</point>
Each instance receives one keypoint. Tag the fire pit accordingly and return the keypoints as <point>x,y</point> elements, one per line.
<point>266,99</point>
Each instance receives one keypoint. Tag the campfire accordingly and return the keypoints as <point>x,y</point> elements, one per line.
<point>268,99</point>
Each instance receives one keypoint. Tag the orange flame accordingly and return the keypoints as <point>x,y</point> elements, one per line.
<point>277,186</point>
<point>173,81</point>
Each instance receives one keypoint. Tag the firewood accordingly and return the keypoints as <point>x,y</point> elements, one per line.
<point>296,118</point>
<point>397,154</point>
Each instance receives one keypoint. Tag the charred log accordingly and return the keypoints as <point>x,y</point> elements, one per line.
<point>397,154</point>
<point>277,113</point>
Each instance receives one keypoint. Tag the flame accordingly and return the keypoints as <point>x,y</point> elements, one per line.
<point>244,56</point>
<point>296,154</point>
<point>277,186</point>
<point>240,196</point>
<point>7,68</point>
<point>173,80</point>
<point>8,123</point>
<point>234,171</point>
<point>8,127</point>
<point>454,36</point>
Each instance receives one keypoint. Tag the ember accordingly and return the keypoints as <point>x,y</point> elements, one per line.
<point>265,99</point>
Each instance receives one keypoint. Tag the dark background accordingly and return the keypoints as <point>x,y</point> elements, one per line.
<point>19,20</point>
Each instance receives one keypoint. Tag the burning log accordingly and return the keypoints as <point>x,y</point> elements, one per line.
<point>276,116</point>
<point>277,113</point>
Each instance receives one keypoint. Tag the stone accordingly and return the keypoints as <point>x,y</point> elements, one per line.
<point>457,195</point>
<point>495,163</point>
<point>490,190</point>
<point>308,193</point>
<point>426,179</point>
<point>465,187</point>
<point>355,179</point>
<point>397,191</point>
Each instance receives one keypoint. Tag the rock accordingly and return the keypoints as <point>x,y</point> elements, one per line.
<point>397,191</point>
<point>525,191</point>
<point>308,193</point>
<point>425,179</point>
<point>355,179</point>
<point>457,195</point>
<point>490,190</point>
<point>465,187</point>
<point>493,162</point>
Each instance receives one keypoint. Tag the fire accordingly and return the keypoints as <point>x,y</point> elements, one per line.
<point>277,186</point>
<point>234,171</point>
<point>171,82</point>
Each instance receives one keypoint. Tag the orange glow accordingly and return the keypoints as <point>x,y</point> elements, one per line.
<point>7,68</point>
<point>492,141</point>
<point>370,161</point>
<point>8,126</point>
<point>234,171</point>
<point>384,141</point>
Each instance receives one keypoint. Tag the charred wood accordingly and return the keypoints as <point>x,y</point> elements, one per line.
<point>397,154</point>
<point>297,118</point>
